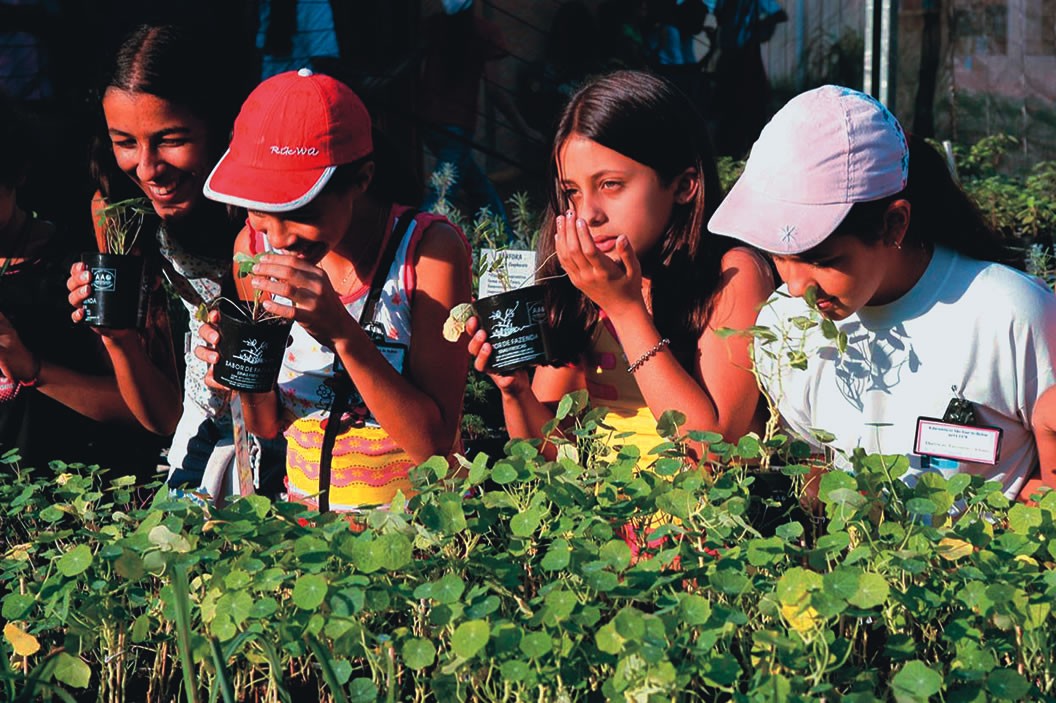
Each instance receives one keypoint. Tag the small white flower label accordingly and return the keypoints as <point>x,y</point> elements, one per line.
<point>505,269</point>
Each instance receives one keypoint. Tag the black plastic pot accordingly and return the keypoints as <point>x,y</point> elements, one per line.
<point>118,298</point>
<point>773,501</point>
<point>250,352</point>
<point>517,328</point>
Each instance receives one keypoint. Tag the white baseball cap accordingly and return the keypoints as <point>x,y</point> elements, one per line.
<point>824,151</point>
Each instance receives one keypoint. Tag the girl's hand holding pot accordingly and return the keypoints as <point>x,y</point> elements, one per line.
<point>313,302</point>
<point>80,289</point>
<point>612,284</point>
<point>513,383</point>
<point>210,335</point>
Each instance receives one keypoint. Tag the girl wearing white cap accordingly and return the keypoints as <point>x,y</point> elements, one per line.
<point>637,286</point>
<point>946,350</point>
<point>302,162</point>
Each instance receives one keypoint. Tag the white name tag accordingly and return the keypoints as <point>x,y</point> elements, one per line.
<point>981,445</point>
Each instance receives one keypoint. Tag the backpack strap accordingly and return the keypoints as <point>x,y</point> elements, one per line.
<point>342,383</point>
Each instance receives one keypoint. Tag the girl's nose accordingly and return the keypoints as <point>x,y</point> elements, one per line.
<point>797,277</point>
<point>148,166</point>
<point>590,210</point>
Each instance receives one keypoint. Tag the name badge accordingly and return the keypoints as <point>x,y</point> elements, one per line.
<point>948,440</point>
<point>395,354</point>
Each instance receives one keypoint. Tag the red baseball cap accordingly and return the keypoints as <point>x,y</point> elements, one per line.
<point>294,130</point>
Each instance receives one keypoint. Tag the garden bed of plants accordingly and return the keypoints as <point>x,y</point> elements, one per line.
<point>515,582</point>
<point>518,578</point>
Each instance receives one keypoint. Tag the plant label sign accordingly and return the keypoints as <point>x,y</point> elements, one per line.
<point>503,270</point>
<point>947,440</point>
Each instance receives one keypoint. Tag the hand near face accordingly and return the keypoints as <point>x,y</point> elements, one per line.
<point>613,280</point>
<point>16,362</point>
<point>313,302</point>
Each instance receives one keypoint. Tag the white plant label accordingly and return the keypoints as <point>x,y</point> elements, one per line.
<point>505,269</point>
<point>981,445</point>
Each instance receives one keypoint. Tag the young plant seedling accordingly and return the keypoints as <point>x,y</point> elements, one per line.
<point>121,223</point>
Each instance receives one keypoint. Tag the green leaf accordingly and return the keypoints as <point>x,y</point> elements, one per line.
<point>669,423</point>
<point>17,605</point>
<point>526,523</point>
<point>418,653</point>
<point>1008,685</point>
<point>503,473</point>
<point>916,682</point>
<point>872,591</point>
<point>470,637</point>
<point>76,561</point>
<point>309,591</point>
<point>557,557</point>
<point>608,639</point>
<point>694,609</point>
<point>617,554</point>
<point>362,690</point>
<point>448,589</point>
<point>72,671</point>
<point>536,644</point>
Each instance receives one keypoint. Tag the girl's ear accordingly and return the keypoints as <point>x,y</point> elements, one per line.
<point>686,185</point>
<point>364,177</point>
<point>896,222</point>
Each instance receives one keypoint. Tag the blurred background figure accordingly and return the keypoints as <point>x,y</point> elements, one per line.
<point>742,88</point>
<point>461,49</point>
<point>293,34</point>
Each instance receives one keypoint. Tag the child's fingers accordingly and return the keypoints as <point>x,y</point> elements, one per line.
<point>477,340</point>
<point>480,360</point>
<point>628,258</point>
<point>472,325</point>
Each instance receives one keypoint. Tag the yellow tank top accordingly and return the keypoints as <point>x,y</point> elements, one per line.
<point>611,386</point>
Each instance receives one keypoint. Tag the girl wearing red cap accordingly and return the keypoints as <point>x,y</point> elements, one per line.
<point>168,107</point>
<point>302,161</point>
<point>638,287</point>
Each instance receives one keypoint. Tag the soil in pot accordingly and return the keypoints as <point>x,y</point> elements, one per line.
<point>517,328</point>
<point>250,352</point>
<point>118,299</point>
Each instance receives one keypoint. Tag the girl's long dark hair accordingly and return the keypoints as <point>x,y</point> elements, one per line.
<point>941,212</point>
<point>647,119</point>
<point>182,66</point>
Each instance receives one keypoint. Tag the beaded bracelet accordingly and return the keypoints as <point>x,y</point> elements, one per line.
<point>648,355</point>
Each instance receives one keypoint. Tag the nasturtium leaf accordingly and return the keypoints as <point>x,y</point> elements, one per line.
<point>71,670</point>
<point>418,653</point>
<point>503,473</point>
<point>564,407</point>
<point>916,681</point>
<point>514,670</point>
<point>362,690</point>
<point>557,556</point>
<point>616,553</point>
<point>223,628</point>
<point>1007,684</point>
<point>130,566</point>
<point>448,589</point>
<point>872,591</point>
<point>765,552</point>
<point>677,502</point>
<point>526,523</point>
<point>51,514</point>
<point>470,637</point>
<point>789,531</point>
<point>608,639</point>
<point>560,603</point>
<point>842,583</point>
<point>694,609</point>
<point>921,506</point>
<point>396,551</point>
<point>263,608</point>
<point>23,643</point>
<point>76,561</point>
<point>16,605</point>
<point>954,549</point>
<point>536,644</point>
<point>141,628</point>
<point>309,591</point>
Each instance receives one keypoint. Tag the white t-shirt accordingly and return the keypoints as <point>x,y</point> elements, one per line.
<point>971,329</point>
